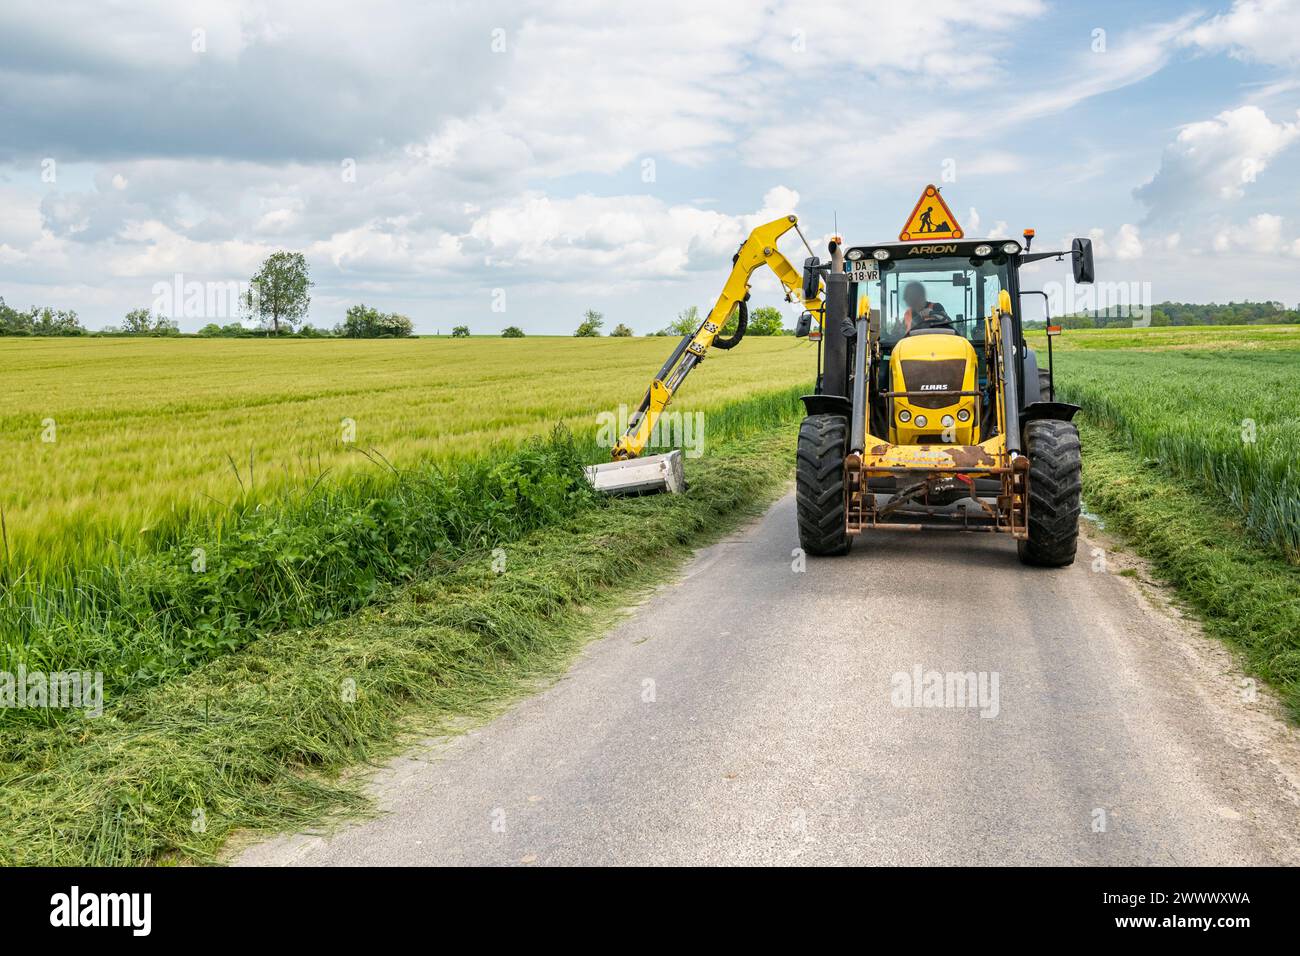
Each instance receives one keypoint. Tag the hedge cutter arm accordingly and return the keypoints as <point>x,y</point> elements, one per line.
<point>757,250</point>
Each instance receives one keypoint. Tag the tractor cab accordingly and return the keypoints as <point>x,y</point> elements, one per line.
<point>930,409</point>
<point>929,307</point>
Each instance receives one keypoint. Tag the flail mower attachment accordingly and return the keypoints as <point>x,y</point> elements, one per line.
<point>640,476</point>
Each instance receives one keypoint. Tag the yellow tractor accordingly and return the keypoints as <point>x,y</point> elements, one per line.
<point>930,411</point>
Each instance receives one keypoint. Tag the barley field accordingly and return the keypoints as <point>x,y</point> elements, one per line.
<point>107,443</point>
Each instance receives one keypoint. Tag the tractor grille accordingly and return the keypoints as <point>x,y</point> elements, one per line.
<point>918,374</point>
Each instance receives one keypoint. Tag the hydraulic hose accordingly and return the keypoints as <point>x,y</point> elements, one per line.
<point>742,323</point>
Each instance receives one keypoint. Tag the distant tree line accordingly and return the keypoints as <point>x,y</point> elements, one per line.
<point>765,320</point>
<point>277,299</point>
<point>1182,314</point>
<point>39,321</point>
<point>238,330</point>
<point>282,315</point>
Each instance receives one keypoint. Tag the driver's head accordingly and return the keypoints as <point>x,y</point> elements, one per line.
<point>914,295</point>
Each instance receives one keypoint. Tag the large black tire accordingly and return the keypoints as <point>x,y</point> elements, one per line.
<point>1044,385</point>
<point>819,485</point>
<point>1055,484</point>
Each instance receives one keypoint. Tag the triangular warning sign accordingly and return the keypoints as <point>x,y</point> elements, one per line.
<point>931,219</point>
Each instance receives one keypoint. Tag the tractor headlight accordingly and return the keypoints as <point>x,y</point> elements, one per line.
<point>920,421</point>
<point>963,414</point>
<point>1011,248</point>
<point>853,255</point>
<point>946,421</point>
<point>881,254</point>
<point>983,250</point>
<point>904,415</point>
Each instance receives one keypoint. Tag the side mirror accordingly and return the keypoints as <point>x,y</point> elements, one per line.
<point>803,326</point>
<point>1081,253</point>
<point>811,277</point>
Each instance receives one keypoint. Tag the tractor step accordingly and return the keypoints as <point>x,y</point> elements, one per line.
<point>640,476</point>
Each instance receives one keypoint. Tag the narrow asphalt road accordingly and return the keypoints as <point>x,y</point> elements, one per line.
<point>751,713</point>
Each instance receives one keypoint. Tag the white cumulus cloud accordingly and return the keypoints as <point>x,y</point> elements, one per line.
<point>1215,159</point>
<point>1263,30</point>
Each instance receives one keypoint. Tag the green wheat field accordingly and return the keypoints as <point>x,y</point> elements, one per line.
<point>1216,406</point>
<point>107,445</point>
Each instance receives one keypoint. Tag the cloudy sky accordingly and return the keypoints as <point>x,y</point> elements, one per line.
<point>426,156</point>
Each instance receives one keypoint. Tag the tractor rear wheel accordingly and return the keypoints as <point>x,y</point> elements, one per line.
<point>819,485</point>
<point>1055,484</point>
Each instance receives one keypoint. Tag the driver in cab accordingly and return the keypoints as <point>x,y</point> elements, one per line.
<point>921,313</point>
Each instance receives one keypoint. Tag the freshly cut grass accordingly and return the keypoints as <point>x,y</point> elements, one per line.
<point>1227,423</point>
<point>257,738</point>
<point>150,434</point>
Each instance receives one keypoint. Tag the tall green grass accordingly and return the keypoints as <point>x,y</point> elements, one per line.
<point>1226,422</point>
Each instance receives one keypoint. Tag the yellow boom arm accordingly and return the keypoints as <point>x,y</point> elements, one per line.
<point>758,250</point>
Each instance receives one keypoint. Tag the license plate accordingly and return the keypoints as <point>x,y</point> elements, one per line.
<point>864,270</point>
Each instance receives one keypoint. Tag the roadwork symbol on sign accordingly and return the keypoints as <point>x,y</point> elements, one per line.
<point>931,219</point>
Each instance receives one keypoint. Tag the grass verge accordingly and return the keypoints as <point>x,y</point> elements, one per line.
<point>260,738</point>
<point>1244,592</point>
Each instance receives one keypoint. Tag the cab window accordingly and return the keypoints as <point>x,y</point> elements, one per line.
<point>952,290</point>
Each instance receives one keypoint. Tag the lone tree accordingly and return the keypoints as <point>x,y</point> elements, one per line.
<point>138,322</point>
<point>143,322</point>
<point>621,331</point>
<point>281,291</point>
<point>591,323</point>
<point>460,332</point>
<point>686,323</point>
<point>512,332</point>
<point>766,320</point>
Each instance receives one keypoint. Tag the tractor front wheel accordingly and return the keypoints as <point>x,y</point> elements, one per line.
<point>819,485</point>
<point>1055,484</point>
